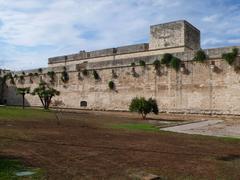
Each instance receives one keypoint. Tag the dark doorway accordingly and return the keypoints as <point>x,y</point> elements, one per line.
<point>83,103</point>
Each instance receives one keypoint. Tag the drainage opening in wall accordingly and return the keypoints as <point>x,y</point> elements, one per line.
<point>83,103</point>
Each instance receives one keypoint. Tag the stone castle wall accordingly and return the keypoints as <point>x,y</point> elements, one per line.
<point>197,90</point>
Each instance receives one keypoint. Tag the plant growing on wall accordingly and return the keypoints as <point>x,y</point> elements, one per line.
<point>230,57</point>
<point>65,76</point>
<point>96,75</point>
<point>133,64</point>
<point>30,77</point>
<point>51,74</point>
<point>142,63</point>
<point>45,94</point>
<point>85,72</point>
<point>157,65</point>
<point>23,92</point>
<point>166,59</point>
<point>200,56</point>
<point>143,106</point>
<point>40,70</point>
<point>175,63</point>
<point>114,74</point>
<point>22,79</point>
<point>15,76</point>
<point>111,85</point>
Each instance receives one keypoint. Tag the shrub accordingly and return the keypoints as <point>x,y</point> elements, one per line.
<point>230,57</point>
<point>23,73</point>
<point>51,74</point>
<point>111,85</point>
<point>200,56</point>
<point>157,64</point>
<point>175,63</point>
<point>133,64</point>
<point>142,63</point>
<point>96,75</point>
<point>36,74</point>
<point>166,59</point>
<point>85,72</point>
<point>143,106</point>
<point>40,70</point>
<point>65,76</point>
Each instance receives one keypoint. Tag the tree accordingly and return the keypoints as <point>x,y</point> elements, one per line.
<point>23,92</point>
<point>45,94</point>
<point>143,106</point>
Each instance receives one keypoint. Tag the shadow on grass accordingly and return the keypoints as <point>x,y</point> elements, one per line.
<point>230,157</point>
<point>10,166</point>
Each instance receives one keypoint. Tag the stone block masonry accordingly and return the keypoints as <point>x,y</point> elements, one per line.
<point>197,89</point>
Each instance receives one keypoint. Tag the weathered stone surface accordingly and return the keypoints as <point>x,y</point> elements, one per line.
<point>197,89</point>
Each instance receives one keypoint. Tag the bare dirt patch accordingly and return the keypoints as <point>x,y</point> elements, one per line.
<point>84,147</point>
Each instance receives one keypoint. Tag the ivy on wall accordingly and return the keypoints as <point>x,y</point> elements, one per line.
<point>96,75</point>
<point>111,85</point>
<point>65,76</point>
<point>200,56</point>
<point>230,57</point>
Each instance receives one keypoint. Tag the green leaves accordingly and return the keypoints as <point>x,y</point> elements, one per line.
<point>23,90</point>
<point>45,93</point>
<point>143,106</point>
<point>166,59</point>
<point>230,57</point>
<point>200,56</point>
<point>111,85</point>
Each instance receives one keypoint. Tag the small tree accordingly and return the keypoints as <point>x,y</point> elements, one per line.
<point>143,106</point>
<point>23,92</point>
<point>45,94</point>
<point>200,56</point>
<point>166,59</point>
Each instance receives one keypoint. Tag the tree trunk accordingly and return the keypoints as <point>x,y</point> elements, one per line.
<point>23,101</point>
<point>144,116</point>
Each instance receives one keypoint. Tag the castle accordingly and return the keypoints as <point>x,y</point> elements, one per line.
<point>209,87</point>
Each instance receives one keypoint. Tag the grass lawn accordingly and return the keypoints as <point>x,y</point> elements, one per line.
<point>135,127</point>
<point>16,113</point>
<point>9,168</point>
<point>91,145</point>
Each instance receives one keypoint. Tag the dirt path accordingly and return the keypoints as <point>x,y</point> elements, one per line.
<point>84,147</point>
<point>209,127</point>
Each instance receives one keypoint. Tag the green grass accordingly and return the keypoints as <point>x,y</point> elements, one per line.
<point>135,127</point>
<point>9,168</point>
<point>16,113</point>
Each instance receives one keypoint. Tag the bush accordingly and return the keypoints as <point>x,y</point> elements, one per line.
<point>175,63</point>
<point>65,76</point>
<point>166,59</point>
<point>142,63</point>
<point>143,106</point>
<point>95,74</point>
<point>200,56</point>
<point>133,64</point>
<point>40,70</point>
<point>51,74</point>
<point>157,64</point>
<point>230,57</point>
<point>85,72</point>
<point>111,85</point>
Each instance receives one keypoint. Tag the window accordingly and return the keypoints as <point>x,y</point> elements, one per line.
<point>83,103</point>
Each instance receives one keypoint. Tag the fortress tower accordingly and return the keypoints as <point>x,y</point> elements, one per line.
<point>177,34</point>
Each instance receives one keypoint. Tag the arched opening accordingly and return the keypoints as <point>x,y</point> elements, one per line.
<point>83,103</point>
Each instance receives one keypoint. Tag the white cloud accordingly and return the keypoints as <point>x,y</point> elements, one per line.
<point>47,28</point>
<point>211,18</point>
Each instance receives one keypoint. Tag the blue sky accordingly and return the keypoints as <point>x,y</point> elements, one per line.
<point>33,30</point>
